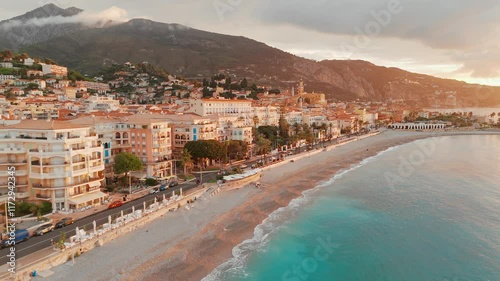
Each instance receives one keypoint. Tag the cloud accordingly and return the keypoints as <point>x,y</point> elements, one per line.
<point>467,31</point>
<point>110,15</point>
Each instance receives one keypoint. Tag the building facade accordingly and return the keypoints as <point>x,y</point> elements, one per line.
<point>54,161</point>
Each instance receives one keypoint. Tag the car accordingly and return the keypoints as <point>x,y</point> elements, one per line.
<point>43,229</point>
<point>19,236</point>
<point>172,184</point>
<point>163,187</point>
<point>115,204</point>
<point>154,191</point>
<point>243,166</point>
<point>64,222</point>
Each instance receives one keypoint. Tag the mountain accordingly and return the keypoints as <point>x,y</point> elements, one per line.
<point>193,53</point>
<point>39,25</point>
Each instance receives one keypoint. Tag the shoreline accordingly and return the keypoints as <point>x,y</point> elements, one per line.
<point>230,218</point>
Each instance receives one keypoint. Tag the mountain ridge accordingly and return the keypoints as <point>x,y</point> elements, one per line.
<point>194,53</point>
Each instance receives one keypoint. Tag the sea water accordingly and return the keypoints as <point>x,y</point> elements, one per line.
<point>427,210</point>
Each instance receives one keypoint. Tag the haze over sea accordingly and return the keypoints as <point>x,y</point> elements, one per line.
<point>438,220</point>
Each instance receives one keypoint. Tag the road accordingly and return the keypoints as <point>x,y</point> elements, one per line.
<point>36,243</point>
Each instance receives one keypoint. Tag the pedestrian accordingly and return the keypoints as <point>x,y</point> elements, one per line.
<point>51,242</point>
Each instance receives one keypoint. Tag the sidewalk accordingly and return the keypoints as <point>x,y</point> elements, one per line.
<point>113,197</point>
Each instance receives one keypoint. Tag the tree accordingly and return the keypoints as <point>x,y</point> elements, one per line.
<point>236,149</point>
<point>284,127</point>
<point>255,121</point>
<point>186,160</point>
<point>263,146</point>
<point>205,149</point>
<point>244,83</point>
<point>125,163</point>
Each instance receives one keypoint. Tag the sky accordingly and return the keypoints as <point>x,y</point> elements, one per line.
<point>458,39</point>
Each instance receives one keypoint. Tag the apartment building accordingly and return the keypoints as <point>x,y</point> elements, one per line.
<point>266,115</point>
<point>96,103</point>
<point>206,107</point>
<point>55,161</point>
<point>150,139</point>
<point>106,128</point>
<point>190,127</point>
<point>56,70</point>
<point>233,128</point>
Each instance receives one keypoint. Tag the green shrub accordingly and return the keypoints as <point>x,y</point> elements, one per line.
<point>151,182</point>
<point>46,208</point>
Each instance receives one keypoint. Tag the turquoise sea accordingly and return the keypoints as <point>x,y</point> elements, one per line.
<point>427,210</point>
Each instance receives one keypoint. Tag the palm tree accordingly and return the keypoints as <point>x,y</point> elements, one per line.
<point>186,160</point>
<point>263,146</point>
<point>256,121</point>
<point>355,125</point>
<point>296,128</point>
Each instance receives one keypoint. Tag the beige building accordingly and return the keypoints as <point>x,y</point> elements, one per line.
<point>205,107</point>
<point>55,161</point>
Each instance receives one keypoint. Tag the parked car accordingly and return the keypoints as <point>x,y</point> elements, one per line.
<point>64,222</point>
<point>172,184</point>
<point>154,191</point>
<point>20,235</point>
<point>43,229</point>
<point>115,204</point>
<point>243,166</point>
<point>163,187</point>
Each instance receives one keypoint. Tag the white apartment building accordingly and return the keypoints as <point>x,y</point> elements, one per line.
<point>58,71</point>
<point>205,107</point>
<point>96,103</point>
<point>266,115</point>
<point>314,119</point>
<point>55,161</point>
<point>190,127</point>
<point>6,77</point>
<point>294,117</point>
<point>29,61</point>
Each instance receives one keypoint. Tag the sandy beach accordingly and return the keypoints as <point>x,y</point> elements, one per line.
<point>188,245</point>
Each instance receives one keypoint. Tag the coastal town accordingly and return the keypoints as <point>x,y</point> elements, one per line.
<point>64,132</point>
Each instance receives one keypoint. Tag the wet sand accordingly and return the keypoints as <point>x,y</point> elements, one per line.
<point>197,256</point>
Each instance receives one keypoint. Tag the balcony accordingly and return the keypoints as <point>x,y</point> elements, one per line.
<point>41,153</point>
<point>13,163</point>
<point>50,175</point>
<point>43,197</point>
<point>73,137</point>
<point>31,138</point>
<point>11,150</point>
<point>22,195</point>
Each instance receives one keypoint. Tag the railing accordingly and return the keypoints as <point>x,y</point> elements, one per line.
<point>43,197</point>
<point>73,137</point>
<point>30,137</point>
